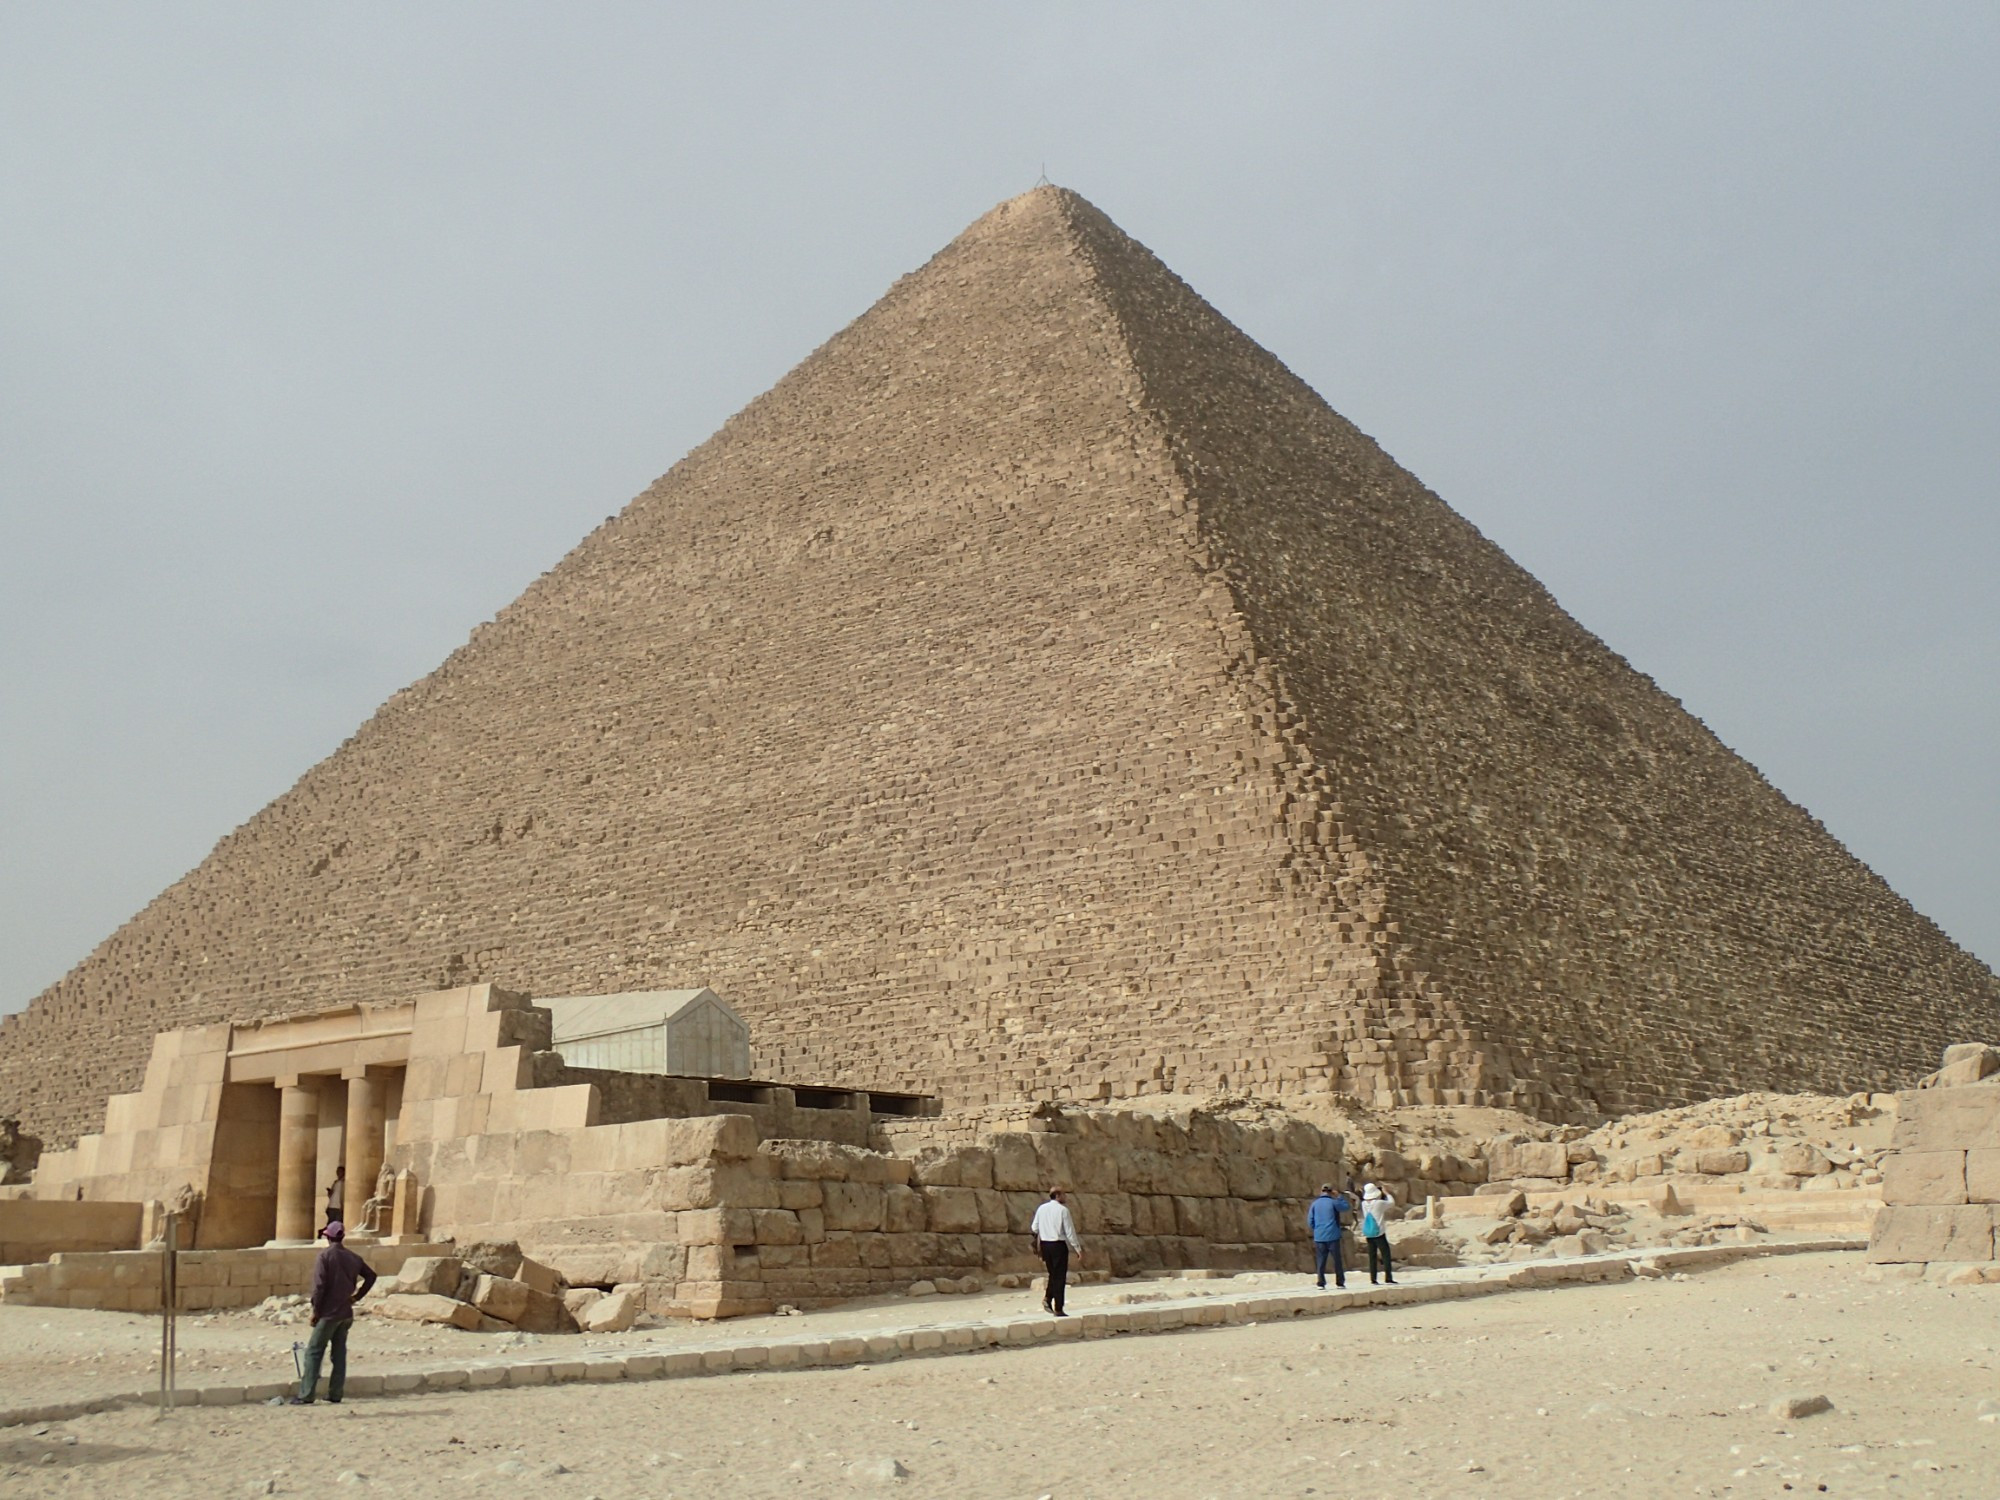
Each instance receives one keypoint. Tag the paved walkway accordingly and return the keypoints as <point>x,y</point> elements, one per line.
<point>1215,1304</point>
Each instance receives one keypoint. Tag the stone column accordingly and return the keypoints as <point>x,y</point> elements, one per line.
<point>298,1162</point>
<point>367,1137</point>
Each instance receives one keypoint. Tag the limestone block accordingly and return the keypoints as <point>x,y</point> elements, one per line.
<point>501,1297</point>
<point>1201,1175</point>
<point>1932,1177</point>
<point>838,1251</point>
<point>1802,1159</point>
<point>812,1225</point>
<point>873,1166</point>
<point>1016,1169</point>
<point>743,1185</point>
<point>545,1279</point>
<point>775,1226</point>
<point>1947,1119</point>
<point>615,1311</point>
<point>796,1194</point>
<point>1982,1175</point>
<point>1908,1233</point>
<point>913,1250</point>
<point>935,1166</point>
<point>953,1210</point>
<point>1093,1167</point>
<point>1968,1062</point>
<point>975,1167</point>
<point>992,1210</point>
<point>1249,1178</point>
<point>678,1188</point>
<point>709,1263</point>
<point>578,1299</point>
<point>1721,1162</point>
<point>1192,1217</point>
<point>716,1226</point>
<point>436,1275</point>
<point>417,1307</point>
<point>1715,1138</point>
<point>1527,1159</point>
<point>902,1210</point>
<point>853,1206</point>
<point>811,1161</point>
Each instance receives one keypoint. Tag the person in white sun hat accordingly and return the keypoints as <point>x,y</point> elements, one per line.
<point>1375,1206</point>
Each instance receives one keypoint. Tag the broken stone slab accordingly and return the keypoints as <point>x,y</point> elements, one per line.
<point>1791,1408</point>
<point>437,1275</point>
<point>613,1311</point>
<point>427,1307</point>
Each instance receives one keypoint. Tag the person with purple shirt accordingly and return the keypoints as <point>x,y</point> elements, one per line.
<point>340,1279</point>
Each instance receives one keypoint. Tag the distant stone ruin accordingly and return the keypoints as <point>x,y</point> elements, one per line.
<point>1042,693</point>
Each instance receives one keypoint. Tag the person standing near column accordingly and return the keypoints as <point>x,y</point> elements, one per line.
<point>336,1197</point>
<point>1055,1235</point>
<point>1375,1206</point>
<point>340,1279</point>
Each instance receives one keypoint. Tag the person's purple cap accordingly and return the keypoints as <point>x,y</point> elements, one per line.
<point>335,1230</point>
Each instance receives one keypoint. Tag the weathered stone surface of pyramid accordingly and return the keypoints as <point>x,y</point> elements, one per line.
<point>1041,691</point>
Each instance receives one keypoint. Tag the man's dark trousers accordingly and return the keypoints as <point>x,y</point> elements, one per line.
<point>1055,1255</point>
<point>326,1332</point>
<point>1329,1250</point>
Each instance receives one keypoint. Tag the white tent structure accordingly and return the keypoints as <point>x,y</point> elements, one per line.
<point>692,1033</point>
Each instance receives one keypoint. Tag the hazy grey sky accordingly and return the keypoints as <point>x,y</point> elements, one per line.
<point>324,330</point>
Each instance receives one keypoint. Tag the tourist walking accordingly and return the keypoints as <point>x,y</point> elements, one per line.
<point>1054,1229</point>
<point>340,1279</point>
<point>1375,1206</point>
<point>1323,1222</point>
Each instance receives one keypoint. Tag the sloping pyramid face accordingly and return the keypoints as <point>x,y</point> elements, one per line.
<point>1040,691</point>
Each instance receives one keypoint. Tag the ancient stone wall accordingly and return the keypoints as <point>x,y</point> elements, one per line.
<point>1941,1180</point>
<point>1040,693</point>
<point>715,1221</point>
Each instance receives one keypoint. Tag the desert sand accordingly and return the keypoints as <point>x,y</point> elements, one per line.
<point>1661,1387</point>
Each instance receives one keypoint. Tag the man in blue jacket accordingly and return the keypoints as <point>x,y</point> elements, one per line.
<point>1323,1219</point>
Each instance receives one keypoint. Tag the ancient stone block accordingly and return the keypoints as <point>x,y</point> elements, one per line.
<point>1016,1169</point>
<point>1802,1160</point>
<point>435,1275</point>
<point>1947,1119</point>
<point>1931,1177</point>
<point>1720,1163</point>
<point>902,1210</point>
<point>953,1210</point>
<point>1982,1175</point>
<point>853,1206</point>
<point>419,1307</point>
<point>501,1297</point>
<point>614,1312</point>
<point>1527,1159</point>
<point>1908,1233</point>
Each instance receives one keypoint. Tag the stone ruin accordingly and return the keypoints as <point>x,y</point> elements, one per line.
<point>1039,694</point>
<point>1941,1182</point>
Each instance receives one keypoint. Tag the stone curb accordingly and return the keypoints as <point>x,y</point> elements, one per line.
<point>929,1339</point>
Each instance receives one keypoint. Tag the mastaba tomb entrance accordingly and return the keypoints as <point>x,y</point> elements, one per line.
<point>247,1126</point>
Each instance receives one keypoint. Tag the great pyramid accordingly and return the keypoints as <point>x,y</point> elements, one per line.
<point>1040,691</point>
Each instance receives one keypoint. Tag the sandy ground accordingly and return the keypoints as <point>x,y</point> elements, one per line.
<point>1637,1388</point>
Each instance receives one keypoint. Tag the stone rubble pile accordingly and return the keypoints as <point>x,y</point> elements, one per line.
<point>494,1288</point>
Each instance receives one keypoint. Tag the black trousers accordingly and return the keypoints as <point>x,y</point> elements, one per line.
<point>1378,1249</point>
<point>1055,1255</point>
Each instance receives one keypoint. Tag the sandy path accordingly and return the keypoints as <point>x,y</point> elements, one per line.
<point>1636,1388</point>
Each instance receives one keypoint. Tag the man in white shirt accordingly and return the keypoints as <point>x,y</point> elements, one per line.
<point>1055,1236</point>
